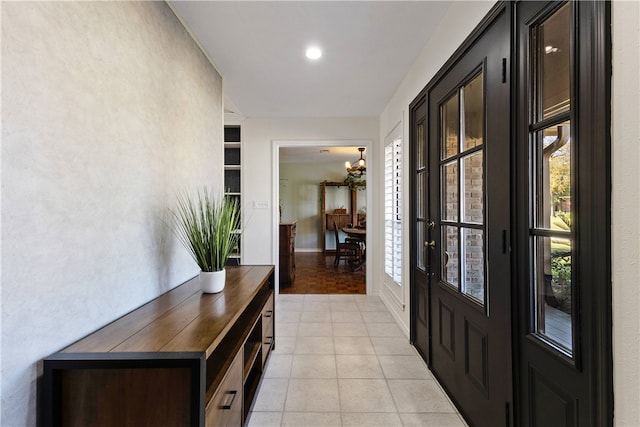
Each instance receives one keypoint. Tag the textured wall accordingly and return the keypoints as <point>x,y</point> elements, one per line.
<point>625,233</point>
<point>108,109</point>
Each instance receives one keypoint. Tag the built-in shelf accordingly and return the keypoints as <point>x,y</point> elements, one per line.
<point>233,174</point>
<point>251,352</point>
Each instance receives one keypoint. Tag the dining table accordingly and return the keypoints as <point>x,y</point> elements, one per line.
<point>359,234</point>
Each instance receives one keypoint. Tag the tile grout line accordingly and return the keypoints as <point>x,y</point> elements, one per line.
<point>334,354</point>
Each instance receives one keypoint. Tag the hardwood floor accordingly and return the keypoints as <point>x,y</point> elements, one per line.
<point>315,274</point>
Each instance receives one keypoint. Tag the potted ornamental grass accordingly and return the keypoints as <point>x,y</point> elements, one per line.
<point>208,226</point>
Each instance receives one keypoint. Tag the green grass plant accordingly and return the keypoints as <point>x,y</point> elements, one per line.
<point>207,227</point>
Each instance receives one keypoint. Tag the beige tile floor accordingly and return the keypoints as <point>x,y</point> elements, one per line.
<point>341,360</point>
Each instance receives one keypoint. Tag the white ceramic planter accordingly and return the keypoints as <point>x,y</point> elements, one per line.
<point>212,282</point>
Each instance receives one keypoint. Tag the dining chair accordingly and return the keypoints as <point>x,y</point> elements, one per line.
<point>349,250</point>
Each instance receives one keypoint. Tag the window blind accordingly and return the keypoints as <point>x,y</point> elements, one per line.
<point>393,210</point>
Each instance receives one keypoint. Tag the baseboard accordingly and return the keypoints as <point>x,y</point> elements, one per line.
<point>390,306</point>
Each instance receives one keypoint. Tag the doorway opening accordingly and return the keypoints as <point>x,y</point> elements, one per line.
<point>315,206</point>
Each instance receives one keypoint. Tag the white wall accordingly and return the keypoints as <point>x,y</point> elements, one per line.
<point>109,108</point>
<point>625,137</point>
<point>457,24</point>
<point>300,195</point>
<point>257,170</point>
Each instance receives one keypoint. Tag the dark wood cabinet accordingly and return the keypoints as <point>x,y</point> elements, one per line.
<point>341,220</point>
<point>287,253</point>
<point>185,358</point>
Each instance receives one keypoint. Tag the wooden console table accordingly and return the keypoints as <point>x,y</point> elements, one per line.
<point>184,359</point>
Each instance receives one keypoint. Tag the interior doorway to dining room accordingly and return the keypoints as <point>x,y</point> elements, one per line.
<point>308,214</point>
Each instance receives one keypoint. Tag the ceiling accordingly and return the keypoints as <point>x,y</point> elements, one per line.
<point>258,47</point>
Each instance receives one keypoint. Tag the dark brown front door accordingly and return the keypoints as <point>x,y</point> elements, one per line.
<point>466,228</point>
<point>420,225</point>
<point>511,247</point>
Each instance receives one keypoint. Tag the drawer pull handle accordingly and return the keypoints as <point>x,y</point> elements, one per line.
<point>233,397</point>
<point>268,313</point>
<point>269,340</point>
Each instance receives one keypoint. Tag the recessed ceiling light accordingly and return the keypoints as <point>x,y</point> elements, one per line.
<point>313,52</point>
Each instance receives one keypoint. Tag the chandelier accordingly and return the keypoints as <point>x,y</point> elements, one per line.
<point>359,167</point>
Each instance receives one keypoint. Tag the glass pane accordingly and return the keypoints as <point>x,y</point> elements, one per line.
<point>473,263</point>
<point>449,255</point>
<point>450,191</point>
<point>421,148</point>
<point>473,113</point>
<point>553,288</point>
<point>450,127</point>
<point>472,188</point>
<point>554,49</point>
<point>554,195</point>
<point>421,250</point>
<point>421,182</point>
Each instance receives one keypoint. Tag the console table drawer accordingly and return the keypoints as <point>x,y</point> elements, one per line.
<point>267,328</point>
<point>225,408</point>
<point>267,313</point>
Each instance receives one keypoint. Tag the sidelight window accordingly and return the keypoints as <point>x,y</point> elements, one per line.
<point>552,164</point>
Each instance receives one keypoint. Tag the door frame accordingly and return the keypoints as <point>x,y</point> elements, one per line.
<point>592,57</point>
<point>423,97</point>
<point>275,200</point>
<point>595,41</point>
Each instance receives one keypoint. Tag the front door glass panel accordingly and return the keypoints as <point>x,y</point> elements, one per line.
<point>421,262</point>
<point>473,263</point>
<point>462,189</point>
<point>421,194</point>
<point>472,113</point>
<point>472,183</point>
<point>450,191</point>
<point>450,127</point>
<point>421,185</point>
<point>421,146</point>
<point>450,257</point>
